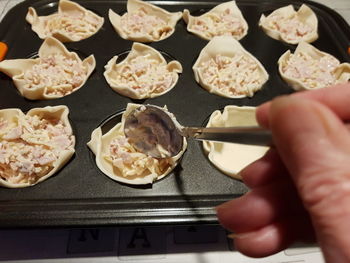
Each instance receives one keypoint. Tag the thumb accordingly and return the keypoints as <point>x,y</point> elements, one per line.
<point>314,145</point>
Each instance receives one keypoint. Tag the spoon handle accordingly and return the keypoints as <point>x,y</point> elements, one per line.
<point>253,135</point>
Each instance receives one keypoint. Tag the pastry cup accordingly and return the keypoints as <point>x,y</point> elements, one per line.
<point>227,46</point>
<point>16,118</point>
<point>133,6</point>
<point>217,11</point>
<point>66,10</point>
<point>140,50</point>
<point>231,158</point>
<point>341,73</point>
<point>16,68</point>
<point>305,15</point>
<point>99,145</point>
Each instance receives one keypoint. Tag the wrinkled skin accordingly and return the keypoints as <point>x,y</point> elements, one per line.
<point>300,190</point>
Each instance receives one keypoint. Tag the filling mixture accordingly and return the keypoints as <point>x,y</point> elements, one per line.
<point>291,28</point>
<point>130,163</point>
<point>224,24</point>
<point>75,27</point>
<point>28,150</point>
<point>313,73</point>
<point>237,75</point>
<point>58,74</point>
<point>144,75</point>
<point>143,24</point>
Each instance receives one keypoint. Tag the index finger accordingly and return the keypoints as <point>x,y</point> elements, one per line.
<point>336,98</point>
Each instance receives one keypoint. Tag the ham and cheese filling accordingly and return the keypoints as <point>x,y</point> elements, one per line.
<point>131,163</point>
<point>144,75</point>
<point>29,148</point>
<point>237,75</point>
<point>59,74</point>
<point>313,73</point>
<point>143,24</point>
<point>223,24</point>
<point>290,28</point>
<point>73,26</point>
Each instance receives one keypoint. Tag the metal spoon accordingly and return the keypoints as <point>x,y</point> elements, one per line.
<point>155,132</point>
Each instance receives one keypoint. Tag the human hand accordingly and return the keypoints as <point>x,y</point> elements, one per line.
<point>300,190</point>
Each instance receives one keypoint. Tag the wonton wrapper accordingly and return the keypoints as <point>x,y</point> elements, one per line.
<point>15,69</point>
<point>99,144</point>
<point>342,72</point>
<point>231,158</point>
<point>304,14</point>
<point>55,112</point>
<point>225,46</point>
<point>138,49</point>
<point>70,9</point>
<point>132,7</point>
<point>217,10</point>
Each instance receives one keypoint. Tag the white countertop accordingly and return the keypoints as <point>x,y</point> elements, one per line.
<point>340,6</point>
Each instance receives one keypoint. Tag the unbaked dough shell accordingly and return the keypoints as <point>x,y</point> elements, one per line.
<point>64,7</point>
<point>231,158</point>
<point>304,14</point>
<point>139,49</point>
<point>99,145</point>
<point>132,7</point>
<point>57,112</point>
<point>225,46</point>
<point>15,68</point>
<point>219,9</point>
<point>342,73</point>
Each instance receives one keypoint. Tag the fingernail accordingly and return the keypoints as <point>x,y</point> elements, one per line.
<point>261,114</point>
<point>236,176</point>
<point>239,175</point>
<point>240,235</point>
<point>232,236</point>
<point>221,207</point>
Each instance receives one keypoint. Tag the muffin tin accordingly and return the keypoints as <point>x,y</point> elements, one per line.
<point>80,194</point>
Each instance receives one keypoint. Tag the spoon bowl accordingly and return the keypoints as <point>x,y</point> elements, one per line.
<point>155,132</point>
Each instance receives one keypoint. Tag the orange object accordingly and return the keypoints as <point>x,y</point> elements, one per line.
<point>3,50</point>
<point>349,50</point>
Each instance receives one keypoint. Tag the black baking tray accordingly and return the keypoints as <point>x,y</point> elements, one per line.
<point>80,194</point>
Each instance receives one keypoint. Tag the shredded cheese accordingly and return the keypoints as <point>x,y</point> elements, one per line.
<point>60,75</point>
<point>144,75</point>
<point>237,75</point>
<point>291,28</point>
<point>313,73</point>
<point>30,146</point>
<point>76,27</point>
<point>141,23</point>
<point>223,24</point>
<point>130,162</point>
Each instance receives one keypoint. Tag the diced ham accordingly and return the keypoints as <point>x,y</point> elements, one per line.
<point>59,74</point>
<point>46,159</point>
<point>237,75</point>
<point>62,142</point>
<point>291,28</point>
<point>74,26</point>
<point>13,134</point>
<point>313,73</point>
<point>3,124</point>
<point>145,75</point>
<point>140,23</point>
<point>130,162</point>
<point>224,24</point>
<point>28,151</point>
